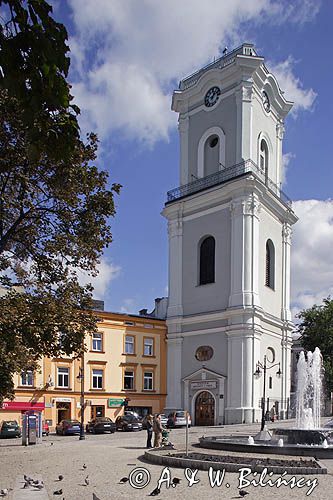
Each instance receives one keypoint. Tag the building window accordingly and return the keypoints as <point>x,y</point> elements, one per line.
<point>270,382</point>
<point>207,261</point>
<point>97,379</point>
<point>148,381</point>
<point>270,258</point>
<point>148,347</point>
<point>63,377</point>
<point>27,378</point>
<point>129,344</point>
<point>263,162</point>
<point>128,379</point>
<point>97,342</point>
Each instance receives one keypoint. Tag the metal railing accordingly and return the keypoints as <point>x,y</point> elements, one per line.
<point>247,49</point>
<point>224,175</point>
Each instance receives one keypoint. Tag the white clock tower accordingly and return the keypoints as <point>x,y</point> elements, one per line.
<point>229,226</point>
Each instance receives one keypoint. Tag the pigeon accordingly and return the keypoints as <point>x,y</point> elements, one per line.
<point>60,477</point>
<point>95,497</point>
<point>51,444</point>
<point>87,481</point>
<point>26,485</point>
<point>123,480</point>
<point>243,493</point>
<point>39,486</point>
<point>4,492</point>
<point>27,479</point>
<point>84,466</point>
<point>155,492</point>
<point>176,481</point>
<point>57,492</point>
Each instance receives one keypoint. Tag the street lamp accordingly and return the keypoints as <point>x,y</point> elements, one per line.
<point>263,367</point>
<point>81,378</point>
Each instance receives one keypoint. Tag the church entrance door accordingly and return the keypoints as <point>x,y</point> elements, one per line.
<point>204,409</point>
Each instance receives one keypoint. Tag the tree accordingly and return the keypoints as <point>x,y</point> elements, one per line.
<point>55,204</point>
<point>33,68</point>
<point>316,329</point>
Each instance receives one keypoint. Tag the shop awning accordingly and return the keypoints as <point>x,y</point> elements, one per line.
<point>22,406</point>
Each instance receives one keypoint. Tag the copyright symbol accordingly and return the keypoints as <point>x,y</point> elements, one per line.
<point>139,478</point>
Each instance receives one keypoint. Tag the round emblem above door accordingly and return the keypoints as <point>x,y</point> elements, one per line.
<point>204,353</point>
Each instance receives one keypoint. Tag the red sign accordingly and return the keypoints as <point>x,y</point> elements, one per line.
<point>22,406</point>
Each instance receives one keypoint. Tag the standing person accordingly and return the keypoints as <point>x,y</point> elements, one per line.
<point>157,428</point>
<point>149,424</point>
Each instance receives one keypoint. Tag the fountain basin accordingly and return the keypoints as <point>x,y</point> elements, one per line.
<point>240,444</point>
<point>303,436</point>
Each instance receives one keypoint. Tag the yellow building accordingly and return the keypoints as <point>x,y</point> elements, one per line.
<point>125,359</point>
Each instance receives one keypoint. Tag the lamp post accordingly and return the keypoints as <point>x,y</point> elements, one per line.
<point>263,367</point>
<point>81,378</point>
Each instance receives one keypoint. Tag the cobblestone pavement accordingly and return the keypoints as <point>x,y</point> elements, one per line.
<point>111,457</point>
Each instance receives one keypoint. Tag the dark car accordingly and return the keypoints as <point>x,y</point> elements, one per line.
<point>9,428</point>
<point>68,427</point>
<point>101,424</point>
<point>128,423</point>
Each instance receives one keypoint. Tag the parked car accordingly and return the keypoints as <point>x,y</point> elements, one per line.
<point>68,426</point>
<point>178,419</point>
<point>100,425</point>
<point>45,429</point>
<point>128,423</point>
<point>164,419</point>
<point>9,428</point>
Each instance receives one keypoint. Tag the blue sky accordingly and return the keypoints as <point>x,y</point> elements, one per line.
<point>128,56</point>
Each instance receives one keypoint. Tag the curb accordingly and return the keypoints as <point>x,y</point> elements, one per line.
<point>159,458</point>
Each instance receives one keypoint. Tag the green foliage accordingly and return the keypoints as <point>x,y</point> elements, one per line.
<point>316,329</point>
<point>34,66</point>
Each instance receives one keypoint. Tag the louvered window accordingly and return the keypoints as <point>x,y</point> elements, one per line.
<point>269,271</point>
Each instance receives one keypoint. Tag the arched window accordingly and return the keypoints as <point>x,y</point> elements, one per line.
<point>270,264</point>
<point>263,160</point>
<point>207,261</point>
<point>212,155</point>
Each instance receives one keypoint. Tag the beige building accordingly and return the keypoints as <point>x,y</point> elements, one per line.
<point>125,359</point>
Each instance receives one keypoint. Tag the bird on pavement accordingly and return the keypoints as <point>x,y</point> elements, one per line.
<point>155,492</point>
<point>176,481</point>
<point>60,477</point>
<point>243,493</point>
<point>27,479</point>
<point>123,480</point>
<point>87,481</point>
<point>38,486</point>
<point>4,492</point>
<point>57,492</point>
<point>26,485</point>
<point>95,497</point>
<point>84,466</point>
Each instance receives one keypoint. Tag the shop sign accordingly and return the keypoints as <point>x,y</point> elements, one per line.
<point>114,402</point>
<point>22,406</point>
<point>62,400</point>
<point>204,384</point>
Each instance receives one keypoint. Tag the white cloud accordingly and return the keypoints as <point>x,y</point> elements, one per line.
<point>286,159</point>
<point>289,83</point>
<point>312,256</point>
<point>128,307</point>
<point>107,272</point>
<point>128,56</point>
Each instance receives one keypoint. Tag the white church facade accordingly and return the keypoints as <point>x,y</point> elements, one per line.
<point>229,227</point>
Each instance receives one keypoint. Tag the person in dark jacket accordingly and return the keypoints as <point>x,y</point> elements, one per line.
<point>149,430</point>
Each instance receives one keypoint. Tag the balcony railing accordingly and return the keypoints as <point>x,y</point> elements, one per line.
<point>247,49</point>
<point>247,166</point>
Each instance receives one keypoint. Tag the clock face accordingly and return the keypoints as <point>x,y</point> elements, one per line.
<point>212,96</point>
<point>265,101</point>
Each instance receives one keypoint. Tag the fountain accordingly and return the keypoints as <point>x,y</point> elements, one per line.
<point>307,438</point>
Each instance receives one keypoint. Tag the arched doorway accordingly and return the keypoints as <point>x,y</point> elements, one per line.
<point>204,409</point>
